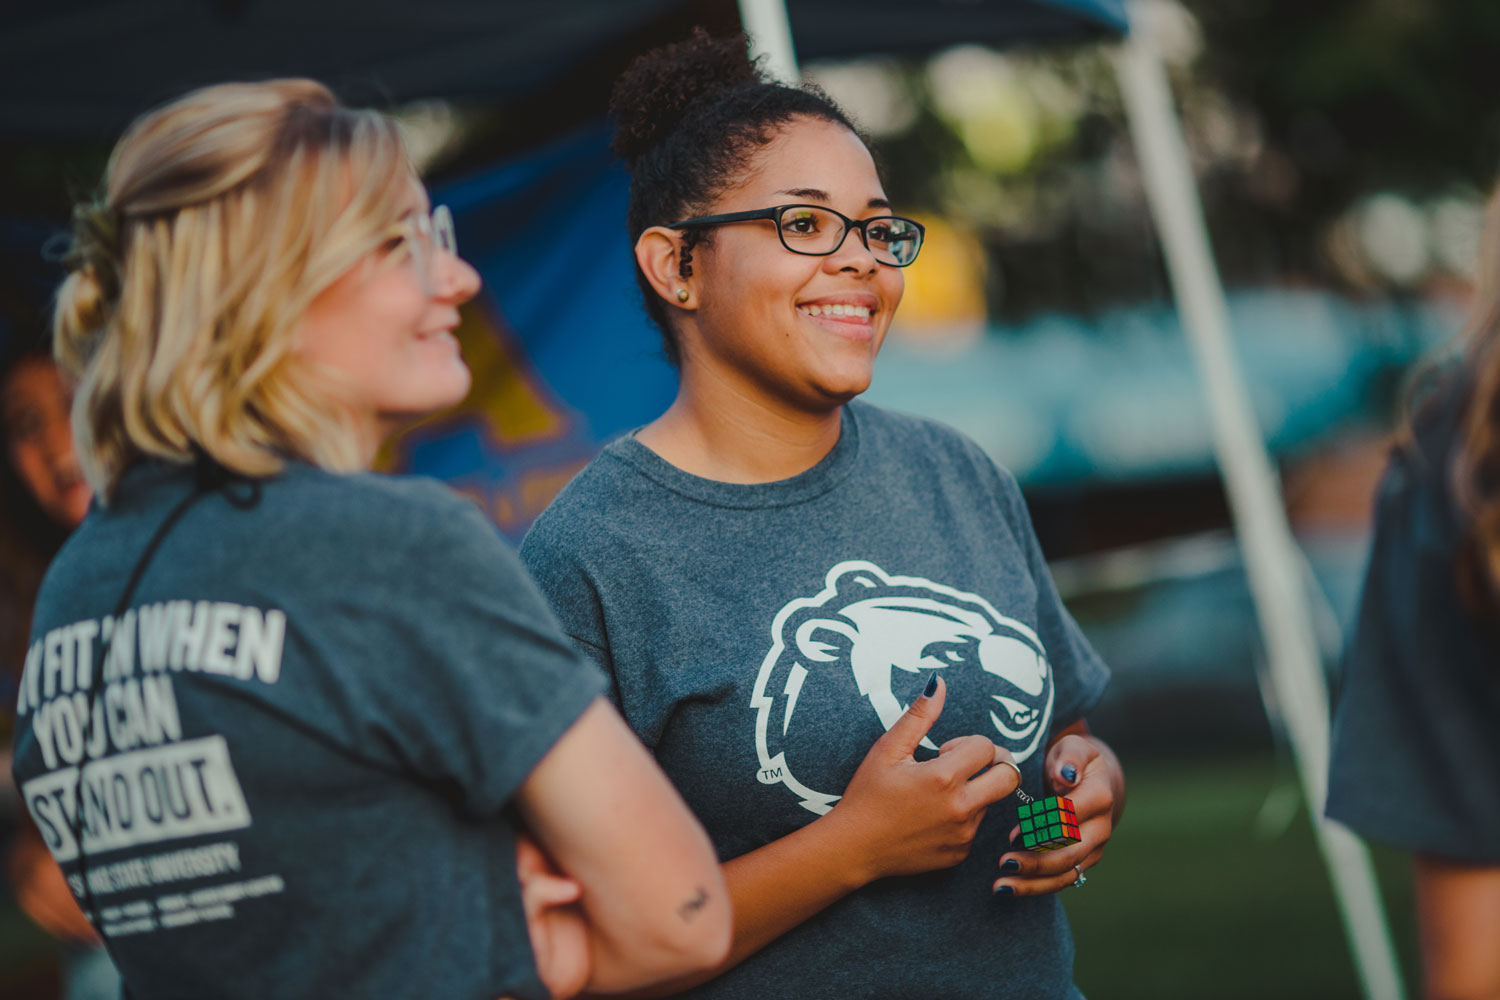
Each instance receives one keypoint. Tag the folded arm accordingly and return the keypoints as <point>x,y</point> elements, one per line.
<point>652,899</point>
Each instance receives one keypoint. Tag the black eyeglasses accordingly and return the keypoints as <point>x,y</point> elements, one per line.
<point>818,231</point>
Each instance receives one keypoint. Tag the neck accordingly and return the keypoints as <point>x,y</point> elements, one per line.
<point>726,431</point>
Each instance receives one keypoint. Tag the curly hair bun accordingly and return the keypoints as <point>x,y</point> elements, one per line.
<point>652,96</point>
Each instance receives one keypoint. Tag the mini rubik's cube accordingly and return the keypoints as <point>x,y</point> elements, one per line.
<point>1048,824</point>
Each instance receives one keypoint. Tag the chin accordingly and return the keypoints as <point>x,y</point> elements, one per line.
<point>451,384</point>
<point>844,386</point>
<point>437,394</point>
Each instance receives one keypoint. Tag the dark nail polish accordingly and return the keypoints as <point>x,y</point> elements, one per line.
<point>1069,773</point>
<point>1010,865</point>
<point>931,688</point>
<point>1005,890</point>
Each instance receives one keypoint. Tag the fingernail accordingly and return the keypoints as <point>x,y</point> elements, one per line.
<point>1010,865</point>
<point>1005,890</point>
<point>1069,773</point>
<point>931,688</point>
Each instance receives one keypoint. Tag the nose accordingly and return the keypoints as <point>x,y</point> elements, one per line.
<point>457,280</point>
<point>852,254</point>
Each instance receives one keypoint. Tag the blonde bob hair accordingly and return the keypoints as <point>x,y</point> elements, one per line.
<point>223,215</point>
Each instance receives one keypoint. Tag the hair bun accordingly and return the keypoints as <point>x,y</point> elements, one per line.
<point>651,97</point>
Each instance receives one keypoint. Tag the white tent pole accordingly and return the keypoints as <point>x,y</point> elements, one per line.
<point>770,31</point>
<point>1269,551</point>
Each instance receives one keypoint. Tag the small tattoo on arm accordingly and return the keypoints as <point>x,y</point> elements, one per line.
<point>690,909</point>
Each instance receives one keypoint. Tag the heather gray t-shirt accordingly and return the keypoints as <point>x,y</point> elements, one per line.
<point>317,710</point>
<point>761,637</point>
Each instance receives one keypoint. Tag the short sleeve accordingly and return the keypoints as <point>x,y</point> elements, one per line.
<point>492,682</point>
<point>569,591</point>
<point>1080,675</point>
<point>1416,749</point>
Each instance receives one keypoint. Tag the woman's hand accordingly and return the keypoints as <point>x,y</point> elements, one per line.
<point>904,816</point>
<point>555,922</point>
<point>1085,770</point>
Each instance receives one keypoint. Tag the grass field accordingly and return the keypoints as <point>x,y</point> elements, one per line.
<point>1212,888</point>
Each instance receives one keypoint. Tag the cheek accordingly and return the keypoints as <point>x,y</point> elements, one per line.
<point>893,286</point>
<point>30,462</point>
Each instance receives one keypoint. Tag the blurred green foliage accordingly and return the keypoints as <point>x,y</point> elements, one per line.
<point>1364,93</point>
<point>1213,887</point>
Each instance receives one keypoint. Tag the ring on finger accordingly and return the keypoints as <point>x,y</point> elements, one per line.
<point>1081,878</point>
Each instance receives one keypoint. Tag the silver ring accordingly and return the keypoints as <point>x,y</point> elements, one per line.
<point>1081,879</point>
<point>1014,767</point>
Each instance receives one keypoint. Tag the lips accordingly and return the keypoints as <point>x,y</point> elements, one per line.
<point>854,308</point>
<point>838,310</point>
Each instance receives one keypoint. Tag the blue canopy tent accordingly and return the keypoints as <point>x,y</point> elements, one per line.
<point>84,68</point>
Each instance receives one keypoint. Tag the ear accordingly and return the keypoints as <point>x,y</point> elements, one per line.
<point>656,253</point>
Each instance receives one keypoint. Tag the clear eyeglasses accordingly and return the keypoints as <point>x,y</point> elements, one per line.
<point>818,231</point>
<point>426,234</point>
<point>437,228</point>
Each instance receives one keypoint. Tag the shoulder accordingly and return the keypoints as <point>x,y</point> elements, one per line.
<point>602,506</point>
<point>904,437</point>
<point>390,514</point>
<point>906,429</point>
<point>1417,486</point>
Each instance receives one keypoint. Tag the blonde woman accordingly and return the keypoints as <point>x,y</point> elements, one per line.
<point>1416,743</point>
<point>315,709</point>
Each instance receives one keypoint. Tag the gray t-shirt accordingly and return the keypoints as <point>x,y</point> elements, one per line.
<point>1416,739</point>
<point>761,637</point>
<point>316,712</point>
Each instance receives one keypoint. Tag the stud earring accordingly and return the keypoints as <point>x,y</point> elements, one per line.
<point>682,295</point>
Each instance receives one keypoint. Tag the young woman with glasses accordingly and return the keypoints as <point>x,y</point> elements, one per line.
<point>832,624</point>
<point>331,741</point>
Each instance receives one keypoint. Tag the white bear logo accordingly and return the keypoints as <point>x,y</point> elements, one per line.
<point>872,625</point>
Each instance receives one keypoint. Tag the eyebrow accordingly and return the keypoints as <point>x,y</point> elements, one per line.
<point>818,195</point>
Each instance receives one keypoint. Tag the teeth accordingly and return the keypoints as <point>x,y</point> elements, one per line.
<point>837,309</point>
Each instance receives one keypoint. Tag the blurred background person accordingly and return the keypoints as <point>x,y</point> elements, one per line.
<point>1416,752</point>
<point>406,782</point>
<point>43,497</point>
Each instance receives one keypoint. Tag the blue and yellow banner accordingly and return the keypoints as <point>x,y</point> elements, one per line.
<point>563,356</point>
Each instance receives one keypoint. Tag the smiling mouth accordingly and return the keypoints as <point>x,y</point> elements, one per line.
<point>838,310</point>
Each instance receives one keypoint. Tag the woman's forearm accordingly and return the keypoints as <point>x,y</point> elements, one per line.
<point>653,899</point>
<point>777,887</point>
<point>897,816</point>
<point>1458,910</point>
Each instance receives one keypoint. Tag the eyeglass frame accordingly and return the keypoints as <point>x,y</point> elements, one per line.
<point>434,231</point>
<point>437,227</point>
<point>775,213</point>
